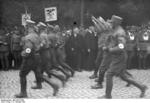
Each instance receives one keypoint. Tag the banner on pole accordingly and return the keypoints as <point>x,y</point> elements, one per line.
<point>50,14</point>
<point>25,17</point>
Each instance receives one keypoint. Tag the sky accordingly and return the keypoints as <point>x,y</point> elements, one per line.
<point>134,12</point>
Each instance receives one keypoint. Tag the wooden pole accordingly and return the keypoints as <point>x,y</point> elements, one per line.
<point>82,14</point>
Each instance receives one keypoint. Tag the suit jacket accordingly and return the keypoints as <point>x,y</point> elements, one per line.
<point>91,41</point>
<point>77,43</point>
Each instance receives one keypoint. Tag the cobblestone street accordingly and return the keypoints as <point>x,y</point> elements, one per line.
<point>77,87</point>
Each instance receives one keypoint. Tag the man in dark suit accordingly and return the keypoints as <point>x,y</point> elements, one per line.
<point>142,46</point>
<point>131,46</point>
<point>69,50</point>
<point>77,49</point>
<point>4,49</point>
<point>91,47</point>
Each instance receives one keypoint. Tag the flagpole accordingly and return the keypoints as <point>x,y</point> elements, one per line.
<point>25,7</point>
<point>82,14</point>
<point>26,12</point>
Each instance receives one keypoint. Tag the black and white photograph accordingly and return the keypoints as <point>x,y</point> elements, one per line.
<point>74,49</point>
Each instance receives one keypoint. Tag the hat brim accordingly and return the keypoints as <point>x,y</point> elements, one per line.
<point>110,21</point>
<point>116,22</point>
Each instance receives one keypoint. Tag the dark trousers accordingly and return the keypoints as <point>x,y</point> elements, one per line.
<point>4,60</point>
<point>104,66</point>
<point>98,61</point>
<point>76,59</point>
<point>118,68</point>
<point>142,56</point>
<point>130,58</point>
<point>34,64</point>
<point>61,58</point>
<point>55,63</point>
<point>17,58</point>
<point>90,62</point>
<point>79,60</point>
<point>28,65</point>
<point>124,76</point>
<point>47,65</point>
<point>70,58</point>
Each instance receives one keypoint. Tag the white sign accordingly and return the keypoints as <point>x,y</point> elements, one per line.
<point>25,17</point>
<point>50,14</point>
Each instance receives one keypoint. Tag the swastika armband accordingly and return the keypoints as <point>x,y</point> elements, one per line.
<point>41,45</point>
<point>28,50</point>
<point>121,46</point>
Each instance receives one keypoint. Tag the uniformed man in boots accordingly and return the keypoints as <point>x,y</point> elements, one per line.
<point>131,46</point>
<point>45,54</point>
<point>4,49</point>
<point>119,58</point>
<point>32,61</point>
<point>142,45</point>
<point>61,54</point>
<point>53,41</point>
<point>106,59</point>
<point>104,55</point>
<point>60,51</point>
<point>102,60</point>
<point>1,54</point>
<point>16,48</point>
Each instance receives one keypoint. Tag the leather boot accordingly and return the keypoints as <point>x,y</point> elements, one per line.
<point>105,97</point>
<point>23,93</point>
<point>97,86</point>
<point>143,90</point>
<point>53,84</point>
<point>37,87</point>
<point>93,76</point>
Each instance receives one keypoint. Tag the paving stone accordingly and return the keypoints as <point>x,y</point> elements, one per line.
<point>77,87</point>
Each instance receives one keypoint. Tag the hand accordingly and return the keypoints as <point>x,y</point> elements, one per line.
<point>104,48</point>
<point>5,43</point>
<point>89,50</point>
<point>1,42</point>
<point>92,17</point>
<point>72,49</point>
<point>41,45</point>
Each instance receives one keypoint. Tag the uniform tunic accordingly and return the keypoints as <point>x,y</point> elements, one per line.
<point>119,56</point>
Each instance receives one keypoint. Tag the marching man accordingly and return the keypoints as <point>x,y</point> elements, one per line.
<point>118,64</point>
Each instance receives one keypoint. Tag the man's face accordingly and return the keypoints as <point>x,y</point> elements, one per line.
<point>91,28</point>
<point>16,32</point>
<point>76,30</point>
<point>29,28</point>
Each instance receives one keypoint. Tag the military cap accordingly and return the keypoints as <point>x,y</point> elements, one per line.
<point>30,22</point>
<point>56,28</point>
<point>41,24</point>
<point>50,26</point>
<point>115,19</point>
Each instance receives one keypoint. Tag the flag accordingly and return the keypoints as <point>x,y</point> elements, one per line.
<point>50,14</point>
<point>25,17</point>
